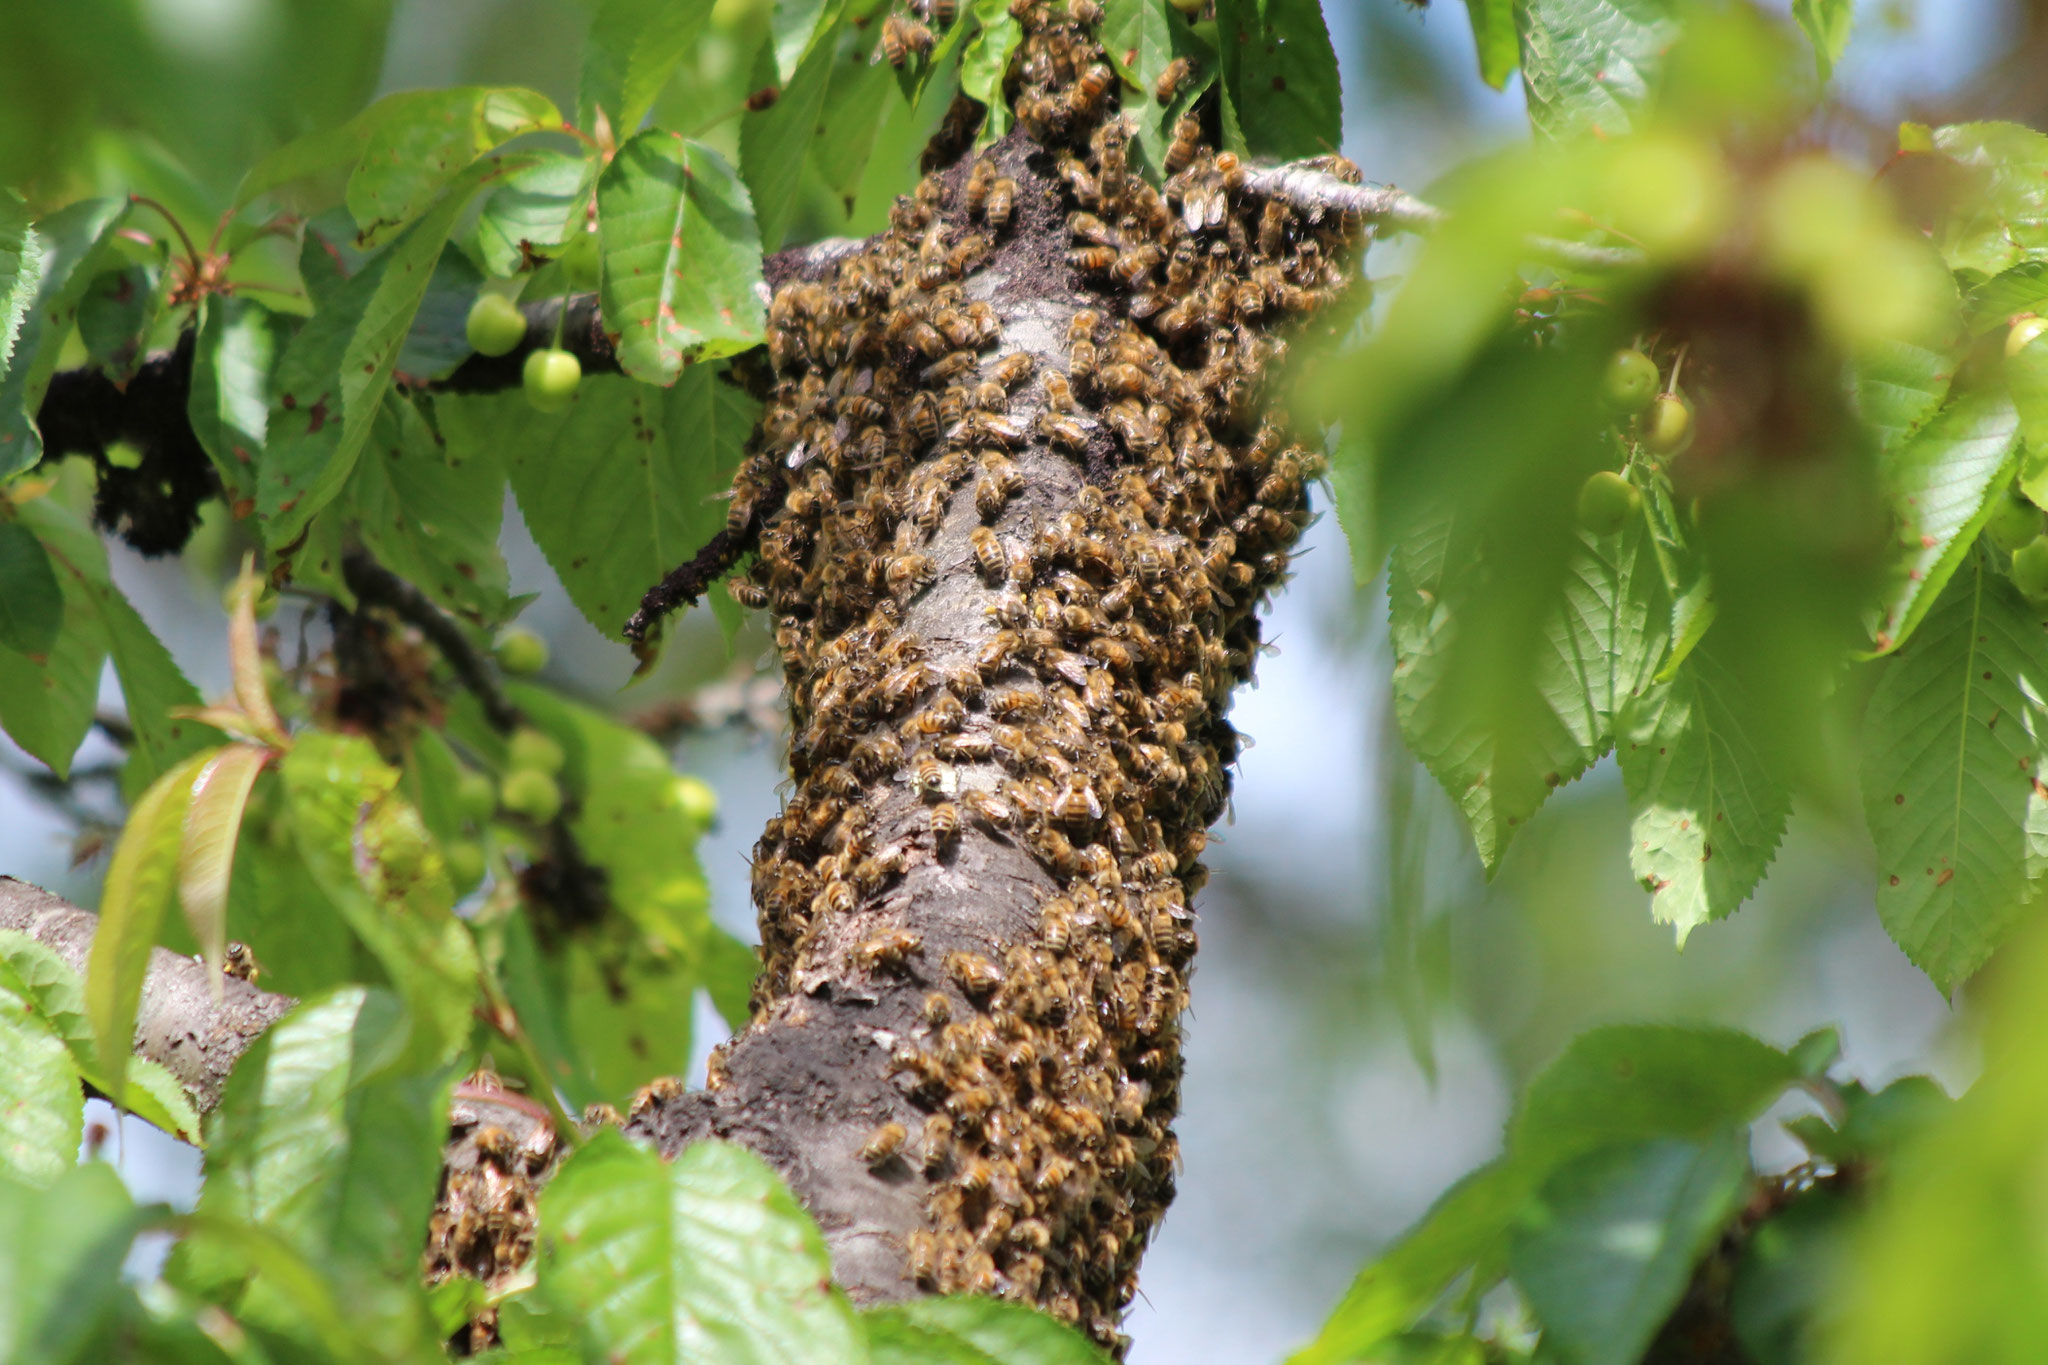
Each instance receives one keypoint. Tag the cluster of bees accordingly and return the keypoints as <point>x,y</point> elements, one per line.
<point>1017,495</point>
<point>500,1149</point>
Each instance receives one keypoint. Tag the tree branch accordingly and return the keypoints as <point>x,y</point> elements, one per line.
<point>178,1023</point>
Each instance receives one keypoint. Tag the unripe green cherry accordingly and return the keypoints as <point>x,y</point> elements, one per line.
<point>2014,521</point>
<point>698,802</point>
<point>531,793</point>
<point>2030,568</point>
<point>520,651</point>
<point>495,326</point>
<point>2023,333</point>
<point>1667,426</point>
<point>465,862</point>
<point>531,748</point>
<point>1631,380</point>
<point>551,377</point>
<point>476,797</point>
<point>1606,502</point>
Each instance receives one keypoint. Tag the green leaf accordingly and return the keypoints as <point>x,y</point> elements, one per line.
<point>235,352</point>
<point>1281,75</point>
<point>1157,34</point>
<point>542,206</point>
<point>729,972</point>
<point>141,879</point>
<point>1588,65</point>
<point>706,1259</point>
<point>431,515</point>
<point>1630,1082</point>
<point>1940,484</point>
<point>1493,33</point>
<point>1469,1223</point>
<point>2009,294</point>
<point>61,1259</point>
<point>21,269</point>
<point>372,857</point>
<point>983,66</point>
<point>438,340</point>
<point>1899,386</point>
<point>682,256</point>
<point>2005,220</point>
<point>1786,1280</point>
<point>795,28</point>
<point>55,993</point>
<point>1706,809</point>
<point>626,1010</point>
<point>619,489</point>
<point>101,621</point>
<point>1826,24</point>
<point>31,603</point>
<point>633,47</point>
<point>972,1331</point>
<point>206,853</point>
<point>862,92</point>
<point>1952,776</point>
<point>410,158</point>
<point>41,1111</point>
<point>321,1141</point>
<point>774,142</point>
<point>1501,734</point>
<point>115,314</point>
<point>73,242</point>
<point>332,380</point>
<point>1614,1238</point>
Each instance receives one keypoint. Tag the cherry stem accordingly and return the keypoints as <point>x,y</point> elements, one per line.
<point>191,251</point>
<point>1677,363</point>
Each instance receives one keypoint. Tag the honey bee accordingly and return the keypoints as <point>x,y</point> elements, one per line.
<point>969,250</point>
<point>945,822</point>
<point>889,951</point>
<point>996,654</point>
<point>883,1144</point>
<point>974,1175</point>
<point>940,12</point>
<point>970,1102</point>
<point>1093,260</point>
<point>981,316</point>
<point>989,396</point>
<point>923,1258</point>
<point>1012,745</point>
<point>748,594</point>
<point>1002,204</point>
<point>988,553</point>
<point>1014,368</point>
<point>656,1093</point>
<point>1081,360</point>
<point>1232,170</point>
<point>1085,12</point>
<point>921,416</point>
<point>999,429</point>
<point>1187,140</point>
<point>903,38</point>
<point>1052,1173</point>
<point>953,405</point>
<point>975,973</point>
<point>1012,702</point>
<point>951,366</point>
<point>1273,228</point>
<point>1121,380</point>
<point>1171,79</point>
<point>937,1140</point>
<point>925,339</point>
<point>933,778</point>
<point>1063,431</point>
<point>988,808</point>
<point>876,755</point>
<point>1088,228</point>
<point>1132,267</point>
<point>1090,88</point>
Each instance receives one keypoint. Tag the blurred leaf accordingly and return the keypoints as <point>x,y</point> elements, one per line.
<point>2006,219</point>
<point>1493,33</point>
<point>1874,1124</point>
<point>861,95</point>
<point>1156,33</point>
<point>795,27</point>
<point>972,1331</point>
<point>343,358</point>
<point>279,910</point>
<point>729,973</point>
<point>100,620</point>
<point>115,314</point>
<point>158,1098</point>
<point>21,269</point>
<point>1899,386</point>
<point>1466,1224</point>
<point>774,141</point>
<point>1633,1082</point>
<point>626,1011</point>
<point>62,1259</point>
<point>371,857</point>
<point>1826,24</point>
<point>633,47</point>
<point>1787,1278</point>
<point>1940,484</point>
<point>41,1111</point>
<point>682,256</point>
<point>73,242</point>
<point>31,604</point>
<point>321,1141</point>
<point>1706,809</point>
<point>622,487</point>
<point>1951,776</point>
<point>1281,74</point>
<point>707,1258</point>
<point>409,158</point>
<point>1611,1243</point>
<point>1588,65</point>
<point>206,854</point>
<point>235,351</point>
<point>431,515</point>
<point>541,206</point>
<point>983,66</point>
<point>141,879</point>
<point>438,340</point>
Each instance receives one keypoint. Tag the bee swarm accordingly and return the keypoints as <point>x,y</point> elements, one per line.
<point>1018,494</point>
